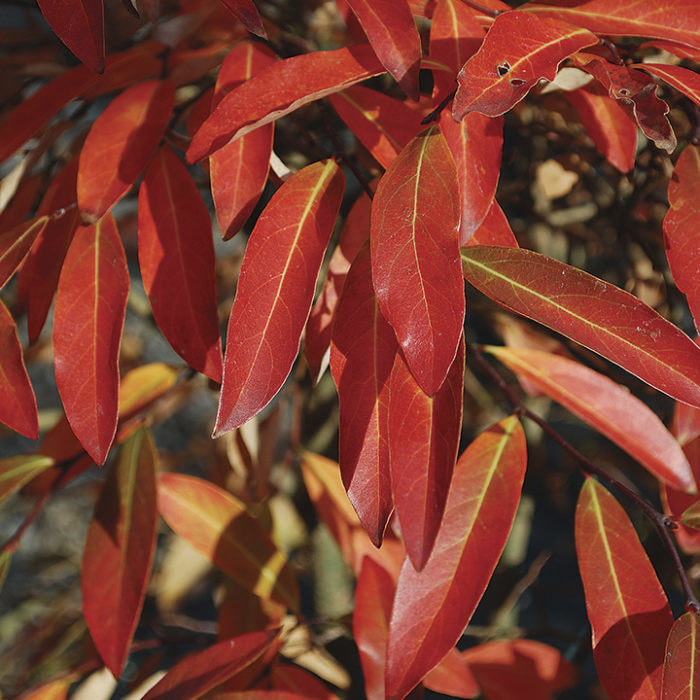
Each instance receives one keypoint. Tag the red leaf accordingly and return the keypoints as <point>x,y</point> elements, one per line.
<point>239,170</point>
<point>374,595</point>
<point>594,313</point>
<point>79,24</point>
<point>16,243</point>
<point>17,403</point>
<point>415,249</point>
<point>392,33</point>
<point>176,256</point>
<point>119,550</point>
<point>22,203</point>
<point>423,441</point>
<point>275,290</point>
<point>672,47</point>
<point>605,405</point>
<point>246,12</point>
<point>481,505</point>
<point>88,322</point>
<point>672,20</point>
<point>362,355</point>
<point>684,80</point>
<point>198,673</point>
<point>259,695</point>
<point>476,144</point>
<point>218,526</point>
<point>297,680</point>
<point>120,144</point>
<point>519,50</point>
<point>381,123</point>
<point>681,674</point>
<point>279,90</point>
<point>627,608</point>
<point>681,234</point>
<point>613,131</point>
<point>494,229</point>
<point>453,677</point>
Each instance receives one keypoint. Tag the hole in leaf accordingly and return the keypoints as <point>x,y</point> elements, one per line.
<point>623,92</point>
<point>516,82</point>
<point>503,68</point>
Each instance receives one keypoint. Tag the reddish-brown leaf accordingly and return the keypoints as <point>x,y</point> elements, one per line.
<point>374,595</point>
<point>120,144</point>
<point>392,33</point>
<point>675,21</point>
<point>415,253</point>
<point>683,79</point>
<point>481,505</point>
<point>88,322</point>
<point>79,24</point>
<point>629,614</point>
<point>279,90</point>
<point>15,472</point>
<point>17,403</point>
<point>476,143</point>
<point>217,524</point>
<point>494,229</point>
<point>383,124</point>
<point>605,405</point>
<point>362,354</point>
<point>259,695</point>
<point>119,549</point>
<point>452,677</point>
<point>681,674</point>
<point>247,13</point>
<point>678,50</point>
<point>590,311</point>
<point>22,203</point>
<point>275,290</point>
<point>519,50</point>
<point>239,170</point>
<point>613,131</point>
<point>681,233</point>
<point>176,257</point>
<point>16,243</point>
<point>196,674</point>
<point>297,680</point>
<point>423,441</point>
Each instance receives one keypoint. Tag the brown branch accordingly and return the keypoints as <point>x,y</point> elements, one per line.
<point>484,10</point>
<point>435,114</point>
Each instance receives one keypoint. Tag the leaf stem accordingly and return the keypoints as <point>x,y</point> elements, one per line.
<point>435,114</point>
<point>480,8</point>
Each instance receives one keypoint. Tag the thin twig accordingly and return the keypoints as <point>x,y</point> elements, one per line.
<point>480,8</point>
<point>435,114</point>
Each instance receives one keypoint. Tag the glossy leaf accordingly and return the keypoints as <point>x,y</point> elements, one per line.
<point>17,471</point>
<point>617,326</point>
<point>79,24</point>
<point>17,403</point>
<point>279,90</point>
<point>383,124</point>
<point>452,677</point>
<point>218,526</point>
<point>119,549</point>
<point>392,33</point>
<point>627,608</point>
<point>494,229</point>
<point>605,405</point>
<point>247,13</point>
<point>415,248</point>
<point>275,291</point>
<point>681,675</point>
<point>176,257</point>
<point>16,243</point>
<point>362,355</point>
<point>684,80</point>
<point>503,71</point>
<point>239,170</point>
<point>481,505</point>
<point>199,673</point>
<point>423,439</point>
<point>681,234</point>
<point>120,143</point>
<point>88,322</point>
<point>142,385</point>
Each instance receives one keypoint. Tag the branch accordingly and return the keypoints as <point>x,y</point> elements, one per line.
<point>480,8</point>
<point>435,114</point>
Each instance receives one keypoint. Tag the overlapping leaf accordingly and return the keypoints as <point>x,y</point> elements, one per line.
<point>590,311</point>
<point>16,243</point>
<point>119,549</point>
<point>88,322</point>
<point>494,229</point>
<point>414,241</point>
<point>627,608</point>
<point>519,50</point>
<point>247,13</point>
<point>481,505</point>
<point>681,675</point>
<point>19,470</point>
<point>275,290</point>
<point>683,79</point>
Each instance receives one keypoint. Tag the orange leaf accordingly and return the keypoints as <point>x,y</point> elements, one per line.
<point>16,243</point>
<point>15,472</point>
<point>684,80</point>
<point>681,675</point>
<point>494,229</point>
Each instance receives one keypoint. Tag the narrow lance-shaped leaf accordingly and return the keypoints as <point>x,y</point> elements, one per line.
<point>120,144</point>
<point>279,90</point>
<point>88,322</point>
<point>519,50</point>
<point>605,405</point>
<point>16,243</point>
<point>629,614</point>
<point>494,229</point>
<point>176,257</point>
<point>481,505</point>
<point>217,524</point>
<point>247,13</point>
<point>415,254</point>
<point>423,441</point>
<point>119,549</point>
<point>275,290</point>
<point>362,355</point>
<point>681,674</point>
<point>590,311</point>
<point>15,472</point>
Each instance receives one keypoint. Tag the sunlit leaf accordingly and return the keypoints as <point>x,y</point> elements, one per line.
<point>16,243</point>
<point>17,471</point>
<point>691,516</point>
<point>494,229</point>
<point>452,677</point>
<point>681,675</point>
<point>683,79</point>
